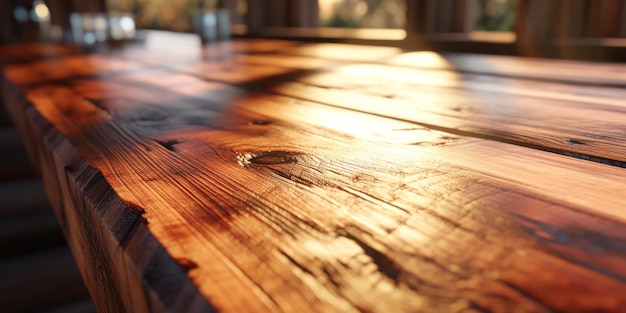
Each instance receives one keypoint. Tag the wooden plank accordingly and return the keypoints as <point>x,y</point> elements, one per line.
<point>520,111</point>
<point>290,205</point>
<point>166,48</point>
<point>423,68</point>
<point>565,71</point>
<point>66,67</point>
<point>200,91</point>
<point>30,51</point>
<point>598,74</point>
<point>504,110</point>
<point>344,52</point>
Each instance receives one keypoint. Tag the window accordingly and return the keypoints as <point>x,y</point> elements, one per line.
<point>533,27</point>
<point>176,15</point>
<point>362,13</point>
<point>496,15</point>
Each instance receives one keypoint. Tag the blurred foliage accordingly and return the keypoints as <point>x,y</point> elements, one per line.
<point>492,15</point>
<point>363,13</point>
<point>159,14</point>
<point>173,15</point>
<point>496,15</point>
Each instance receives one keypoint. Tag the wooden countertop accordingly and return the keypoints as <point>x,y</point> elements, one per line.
<point>276,176</point>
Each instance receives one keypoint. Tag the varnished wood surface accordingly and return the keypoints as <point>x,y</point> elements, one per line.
<point>271,176</point>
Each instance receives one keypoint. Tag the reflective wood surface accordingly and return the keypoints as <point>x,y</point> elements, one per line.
<point>275,176</point>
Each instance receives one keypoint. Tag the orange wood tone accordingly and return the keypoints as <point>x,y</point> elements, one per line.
<point>285,177</point>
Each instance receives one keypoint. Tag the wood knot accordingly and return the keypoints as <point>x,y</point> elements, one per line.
<point>249,159</point>
<point>169,145</point>
<point>260,122</point>
<point>186,264</point>
<point>573,142</point>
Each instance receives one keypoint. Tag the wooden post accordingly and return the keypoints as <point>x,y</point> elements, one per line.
<point>255,17</point>
<point>60,12</point>
<point>605,18</point>
<point>467,15</point>
<point>275,13</point>
<point>535,25</point>
<point>303,13</point>
<point>442,16</point>
<point>622,27</point>
<point>419,19</point>
<point>453,16</point>
<point>573,20</point>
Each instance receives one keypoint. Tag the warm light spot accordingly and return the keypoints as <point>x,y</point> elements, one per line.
<point>423,59</point>
<point>348,52</point>
<point>381,34</point>
<point>41,11</point>
<point>340,249</point>
<point>406,75</point>
<point>342,33</point>
<point>358,125</point>
<point>380,130</point>
<point>360,9</point>
<point>326,8</point>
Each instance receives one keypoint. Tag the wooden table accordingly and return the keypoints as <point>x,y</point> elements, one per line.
<point>260,175</point>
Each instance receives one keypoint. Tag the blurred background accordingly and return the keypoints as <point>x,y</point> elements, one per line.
<point>529,20</point>
<point>21,19</point>
<point>582,29</point>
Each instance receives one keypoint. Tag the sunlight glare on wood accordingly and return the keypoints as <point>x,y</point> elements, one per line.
<point>428,78</point>
<point>422,59</point>
<point>375,129</point>
<point>347,52</point>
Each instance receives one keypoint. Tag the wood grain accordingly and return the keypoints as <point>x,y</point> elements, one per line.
<point>259,185</point>
<point>581,121</point>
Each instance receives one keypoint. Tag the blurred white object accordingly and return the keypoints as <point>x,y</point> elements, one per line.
<point>121,26</point>
<point>212,25</point>
<point>89,29</point>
